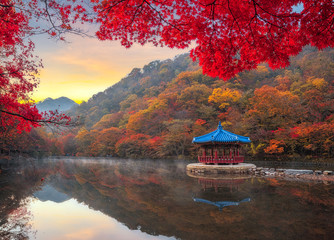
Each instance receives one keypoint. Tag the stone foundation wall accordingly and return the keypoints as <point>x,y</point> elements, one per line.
<point>294,173</point>
<point>198,169</point>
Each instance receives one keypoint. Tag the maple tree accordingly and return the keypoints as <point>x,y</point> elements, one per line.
<point>229,36</point>
<point>19,68</point>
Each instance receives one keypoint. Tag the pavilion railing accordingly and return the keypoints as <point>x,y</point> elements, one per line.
<point>221,159</point>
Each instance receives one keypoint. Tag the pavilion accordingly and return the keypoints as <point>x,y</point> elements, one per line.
<point>220,147</point>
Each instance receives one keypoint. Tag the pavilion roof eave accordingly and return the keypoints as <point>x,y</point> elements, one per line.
<point>220,136</point>
<point>219,143</point>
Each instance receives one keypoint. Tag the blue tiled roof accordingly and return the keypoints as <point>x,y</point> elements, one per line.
<point>221,136</point>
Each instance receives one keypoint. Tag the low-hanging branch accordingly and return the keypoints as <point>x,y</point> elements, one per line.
<point>63,120</point>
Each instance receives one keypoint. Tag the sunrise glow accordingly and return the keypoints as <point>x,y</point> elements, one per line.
<point>85,66</point>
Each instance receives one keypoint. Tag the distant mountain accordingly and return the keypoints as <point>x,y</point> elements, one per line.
<point>61,104</point>
<point>49,193</point>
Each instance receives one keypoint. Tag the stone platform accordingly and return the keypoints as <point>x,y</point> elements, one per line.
<point>219,177</point>
<point>200,168</point>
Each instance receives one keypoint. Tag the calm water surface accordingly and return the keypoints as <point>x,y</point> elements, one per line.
<point>125,199</point>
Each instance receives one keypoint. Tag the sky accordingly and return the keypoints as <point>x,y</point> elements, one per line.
<point>76,221</point>
<point>82,67</point>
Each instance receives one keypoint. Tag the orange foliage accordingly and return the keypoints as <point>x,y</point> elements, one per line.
<point>273,182</point>
<point>200,122</point>
<point>274,147</point>
<point>272,108</point>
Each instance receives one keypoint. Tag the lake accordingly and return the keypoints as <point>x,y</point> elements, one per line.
<point>144,199</point>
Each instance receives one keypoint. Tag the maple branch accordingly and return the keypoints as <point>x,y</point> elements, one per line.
<point>25,118</point>
<point>258,16</point>
<point>6,6</point>
<point>329,24</point>
<point>250,23</point>
<point>135,14</point>
<point>274,15</point>
<point>112,6</point>
<point>49,18</point>
<point>161,18</point>
<point>62,123</point>
<point>48,14</point>
<point>235,20</point>
<point>10,73</point>
<point>208,4</point>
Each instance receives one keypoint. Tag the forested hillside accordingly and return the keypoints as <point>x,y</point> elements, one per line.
<point>155,112</point>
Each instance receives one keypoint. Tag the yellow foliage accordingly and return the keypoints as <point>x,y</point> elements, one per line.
<point>262,69</point>
<point>82,133</point>
<point>226,124</point>
<point>318,83</point>
<point>256,149</point>
<point>224,97</point>
<point>158,104</point>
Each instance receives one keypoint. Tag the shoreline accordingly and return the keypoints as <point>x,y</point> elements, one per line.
<point>214,171</point>
<point>304,174</point>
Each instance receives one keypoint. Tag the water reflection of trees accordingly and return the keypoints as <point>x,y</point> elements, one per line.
<point>16,187</point>
<point>158,200</point>
<point>157,197</point>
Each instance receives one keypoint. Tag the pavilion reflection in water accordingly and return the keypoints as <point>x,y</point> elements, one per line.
<point>218,183</point>
<point>221,204</point>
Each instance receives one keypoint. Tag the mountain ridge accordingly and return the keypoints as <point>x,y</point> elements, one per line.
<point>60,104</point>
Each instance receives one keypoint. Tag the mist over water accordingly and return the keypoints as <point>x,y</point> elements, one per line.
<point>144,199</point>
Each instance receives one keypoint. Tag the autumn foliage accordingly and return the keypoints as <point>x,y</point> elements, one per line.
<point>155,111</point>
<point>286,113</point>
<point>229,36</point>
<point>19,69</point>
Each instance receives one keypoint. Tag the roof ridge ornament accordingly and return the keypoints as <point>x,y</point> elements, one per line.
<point>220,125</point>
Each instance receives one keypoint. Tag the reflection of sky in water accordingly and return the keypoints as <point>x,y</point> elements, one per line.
<point>73,220</point>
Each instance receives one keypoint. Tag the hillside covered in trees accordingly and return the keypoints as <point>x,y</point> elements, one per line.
<point>154,112</point>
